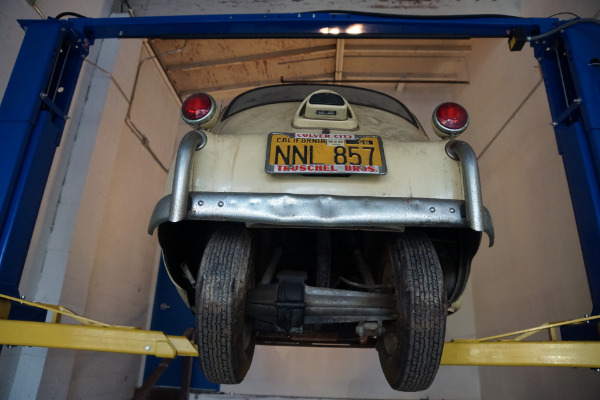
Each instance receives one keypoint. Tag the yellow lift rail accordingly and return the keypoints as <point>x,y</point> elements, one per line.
<point>98,336</point>
<point>504,350</point>
<point>92,335</point>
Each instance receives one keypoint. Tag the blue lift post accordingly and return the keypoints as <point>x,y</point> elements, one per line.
<point>52,53</point>
<point>32,118</point>
<point>570,62</point>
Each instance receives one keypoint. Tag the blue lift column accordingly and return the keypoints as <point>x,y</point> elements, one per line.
<point>570,62</point>
<point>32,117</point>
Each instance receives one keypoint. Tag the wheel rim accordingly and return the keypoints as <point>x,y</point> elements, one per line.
<point>390,341</point>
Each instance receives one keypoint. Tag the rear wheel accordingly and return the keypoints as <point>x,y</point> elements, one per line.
<point>411,347</point>
<point>225,337</point>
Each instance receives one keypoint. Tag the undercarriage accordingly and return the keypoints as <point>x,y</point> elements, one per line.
<point>317,286</point>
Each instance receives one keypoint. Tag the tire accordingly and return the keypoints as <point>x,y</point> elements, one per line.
<point>225,337</point>
<point>411,347</point>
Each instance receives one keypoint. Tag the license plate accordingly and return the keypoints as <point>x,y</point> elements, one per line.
<point>324,154</point>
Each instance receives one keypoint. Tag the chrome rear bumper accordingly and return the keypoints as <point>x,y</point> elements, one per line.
<point>273,209</point>
<point>324,211</point>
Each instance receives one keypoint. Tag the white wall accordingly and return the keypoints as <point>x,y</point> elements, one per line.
<point>111,251</point>
<point>91,252</point>
<point>22,367</point>
<point>535,273</point>
<point>111,256</point>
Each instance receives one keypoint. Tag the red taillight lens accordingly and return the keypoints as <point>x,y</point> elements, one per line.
<point>452,116</point>
<point>197,106</point>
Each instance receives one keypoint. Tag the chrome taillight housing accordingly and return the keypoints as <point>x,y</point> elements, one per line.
<point>200,110</point>
<point>449,120</point>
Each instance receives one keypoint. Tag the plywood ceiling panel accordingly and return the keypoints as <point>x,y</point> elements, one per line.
<point>226,67</point>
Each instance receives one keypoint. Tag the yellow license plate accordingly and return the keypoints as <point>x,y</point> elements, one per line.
<point>324,154</point>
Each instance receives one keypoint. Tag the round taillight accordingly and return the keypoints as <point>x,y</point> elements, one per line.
<point>198,109</point>
<point>450,119</point>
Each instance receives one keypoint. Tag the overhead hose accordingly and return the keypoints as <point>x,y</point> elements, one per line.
<point>69,14</point>
<point>563,27</point>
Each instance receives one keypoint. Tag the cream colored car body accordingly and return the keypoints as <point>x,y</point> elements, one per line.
<point>229,183</point>
<point>233,159</point>
<point>282,224</point>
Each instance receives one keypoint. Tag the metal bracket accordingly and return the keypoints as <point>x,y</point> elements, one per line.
<point>567,113</point>
<point>290,300</point>
<point>53,107</point>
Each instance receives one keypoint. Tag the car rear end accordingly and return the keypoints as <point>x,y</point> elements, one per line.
<point>331,186</point>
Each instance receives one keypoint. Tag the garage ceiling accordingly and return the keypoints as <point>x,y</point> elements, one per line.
<point>227,67</point>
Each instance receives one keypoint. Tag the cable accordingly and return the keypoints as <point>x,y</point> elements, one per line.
<point>112,78</point>
<point>564,26</point>
<point>35,7</point>
<point>509,120</point>
<point>124,2</point>
<point>564,13</point>
<point>69,14</point>
<point>129,9</point>
<point>145,143</point>
<point>134,129</point>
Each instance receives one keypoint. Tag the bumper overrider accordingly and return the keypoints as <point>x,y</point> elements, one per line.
<point>324,211</point>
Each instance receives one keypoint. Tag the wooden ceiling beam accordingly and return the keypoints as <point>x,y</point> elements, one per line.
<point>339,60</point>
<point>312,51</point>
<point>368,50</point>
<point>225,90</point>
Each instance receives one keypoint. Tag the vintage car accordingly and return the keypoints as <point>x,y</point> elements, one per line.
<point>321,215</point>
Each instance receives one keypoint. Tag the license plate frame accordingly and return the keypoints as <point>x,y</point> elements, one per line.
<point>325,154</point>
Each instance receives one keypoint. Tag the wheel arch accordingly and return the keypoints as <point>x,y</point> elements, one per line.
<point>185,242</point>
<point>455,249</point>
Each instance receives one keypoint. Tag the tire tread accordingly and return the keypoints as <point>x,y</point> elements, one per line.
<point>221,287</point>
<point>421,327</point>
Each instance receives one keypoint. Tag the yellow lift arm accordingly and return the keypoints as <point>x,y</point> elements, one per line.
<point>510,349</point>
<point>98,336</point>
<point>91,335</point>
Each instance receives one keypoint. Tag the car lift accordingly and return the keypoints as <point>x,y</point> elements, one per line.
<point>98,336</point>
<point>36,104</point>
